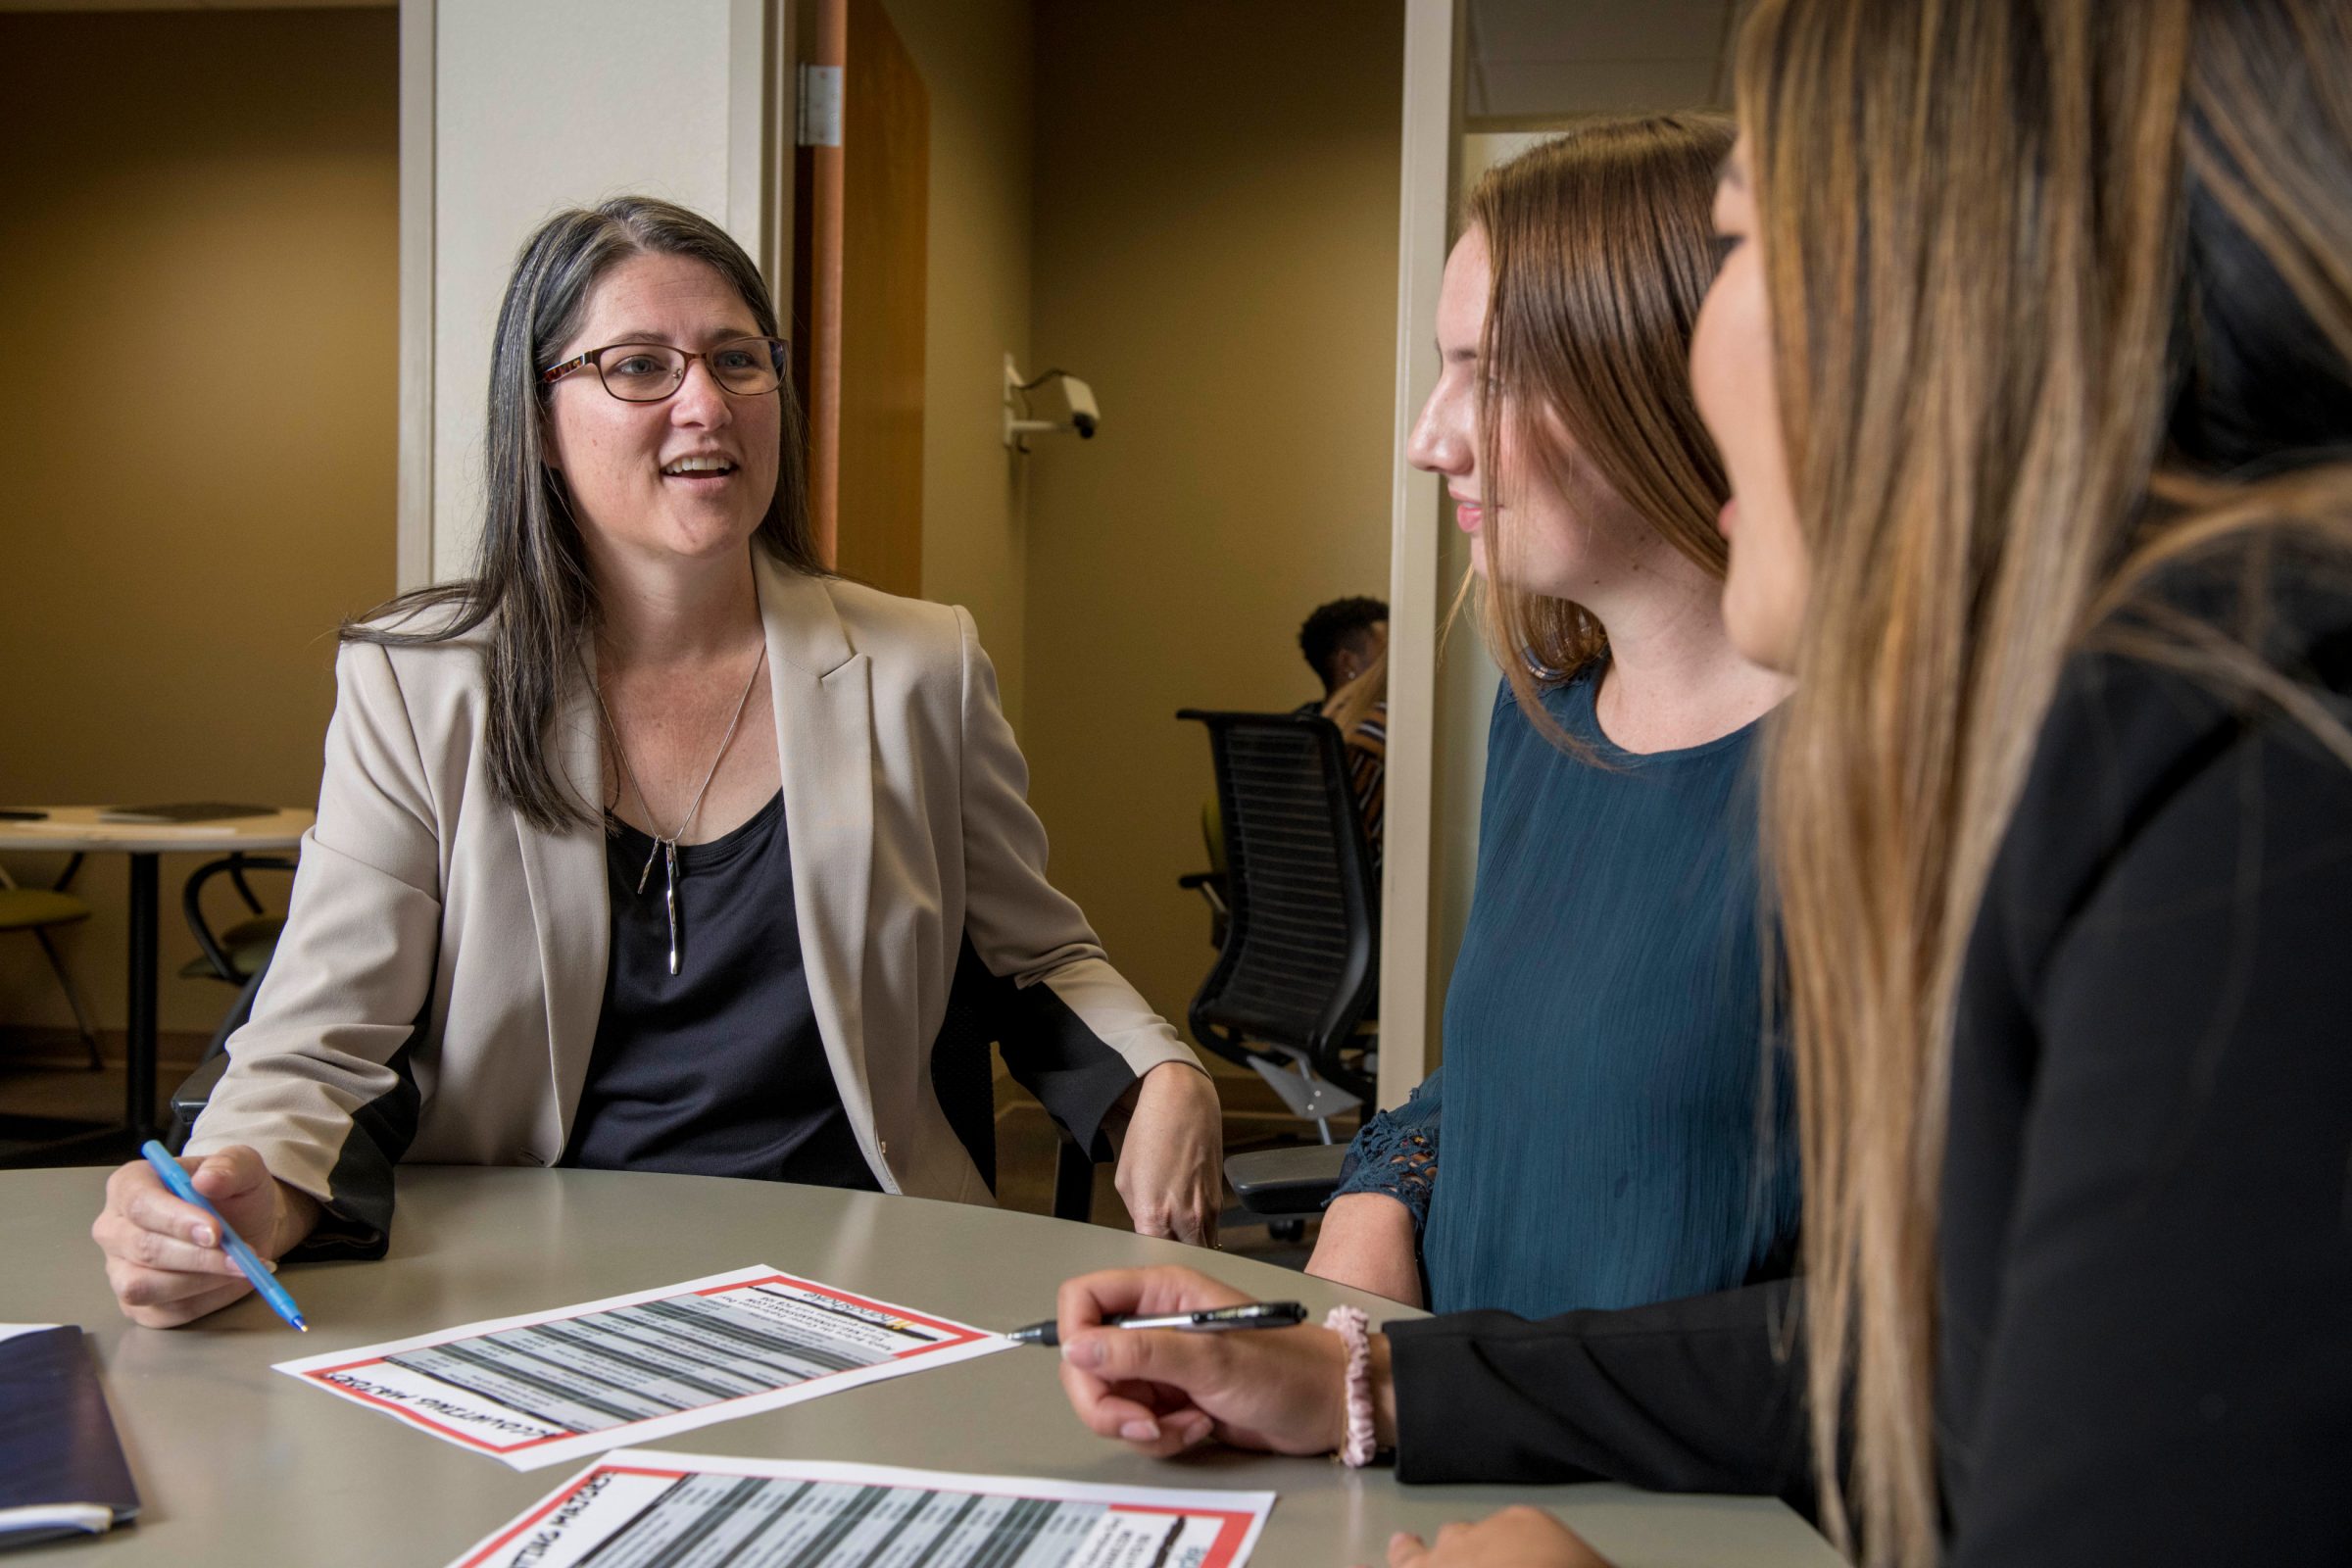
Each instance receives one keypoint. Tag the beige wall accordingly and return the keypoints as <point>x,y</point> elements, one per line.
<point>540,105</point>
<point>974,56</point>
<point>200,251</point>
<point>1216,189</point>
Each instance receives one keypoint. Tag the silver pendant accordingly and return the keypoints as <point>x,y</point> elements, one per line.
<point>643,876</point>
<point>669,856</point>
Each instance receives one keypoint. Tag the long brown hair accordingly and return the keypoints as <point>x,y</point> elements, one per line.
<point>2061,292</point>
<point>1601,251</point>
<point>530,583</point>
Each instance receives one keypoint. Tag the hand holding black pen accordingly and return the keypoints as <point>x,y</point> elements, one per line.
<point>1165,1391</point>
<point>1209,1321</point>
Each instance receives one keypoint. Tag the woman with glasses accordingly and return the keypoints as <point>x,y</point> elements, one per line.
<point>652,845</point>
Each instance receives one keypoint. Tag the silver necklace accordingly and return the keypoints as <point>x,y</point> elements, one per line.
<point>665,844</point>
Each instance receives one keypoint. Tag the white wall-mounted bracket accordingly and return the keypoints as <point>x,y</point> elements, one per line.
<point>1017,422</point>
<point>1084,420</point>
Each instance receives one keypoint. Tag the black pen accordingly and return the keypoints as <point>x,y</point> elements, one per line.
<point>1215,1319</point>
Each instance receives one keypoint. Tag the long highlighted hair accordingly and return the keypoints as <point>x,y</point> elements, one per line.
<point>2062,294</point>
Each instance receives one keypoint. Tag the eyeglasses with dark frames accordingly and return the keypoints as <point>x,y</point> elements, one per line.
<point>648,372</point>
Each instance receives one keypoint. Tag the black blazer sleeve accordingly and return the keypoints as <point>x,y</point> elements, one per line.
<point>1702,1394</point>
<point>2147,1250</point>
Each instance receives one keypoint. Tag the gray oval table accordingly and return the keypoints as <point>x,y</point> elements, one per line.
<point>240,1464</point>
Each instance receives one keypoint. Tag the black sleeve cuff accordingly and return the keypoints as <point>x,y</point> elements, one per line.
<point>1697,1396</point>
<point>1067,1065</point>
<point>341,1236</point>
<point>1046,1047</point>
<point>356,1221</point>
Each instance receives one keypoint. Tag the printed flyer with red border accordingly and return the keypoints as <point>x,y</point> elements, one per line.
<point>642,1506</point>
<point>548,1387</point>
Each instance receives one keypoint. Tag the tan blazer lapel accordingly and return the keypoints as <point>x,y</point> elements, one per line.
<point>823,693</point>
<point>563,874</point>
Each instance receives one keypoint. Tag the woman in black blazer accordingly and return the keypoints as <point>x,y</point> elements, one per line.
<point>2033,367</point>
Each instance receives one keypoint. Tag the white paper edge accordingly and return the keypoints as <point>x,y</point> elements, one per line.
<point>87,1518</point>
<point>492,1325</point>
<point>1257,1504</point>
<point>596,1442</point>
<point>9,1331</point>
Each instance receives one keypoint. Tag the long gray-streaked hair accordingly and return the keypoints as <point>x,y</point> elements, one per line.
<point>530,584</point>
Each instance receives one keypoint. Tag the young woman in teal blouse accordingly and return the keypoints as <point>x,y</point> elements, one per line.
<point>1594,1138</point>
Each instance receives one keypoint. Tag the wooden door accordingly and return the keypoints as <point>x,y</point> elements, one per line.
<point>860,237</point>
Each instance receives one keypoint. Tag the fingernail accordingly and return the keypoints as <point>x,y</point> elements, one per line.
<point>1141,1432</point>
<point>204,1236</point>
<point>1086,1351</point>
<point>271,1265</point>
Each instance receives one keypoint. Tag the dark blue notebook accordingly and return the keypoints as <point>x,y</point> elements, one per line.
<point>62,1472</point>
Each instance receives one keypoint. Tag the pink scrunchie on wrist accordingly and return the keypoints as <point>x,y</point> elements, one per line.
<point>1351,1326</point>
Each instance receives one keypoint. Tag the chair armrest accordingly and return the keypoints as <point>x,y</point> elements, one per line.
<point>1211,885</point>
<point>196,1090</point>
<point>1286,1180</point>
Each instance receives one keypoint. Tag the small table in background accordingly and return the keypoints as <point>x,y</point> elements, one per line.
<point>77,830</point>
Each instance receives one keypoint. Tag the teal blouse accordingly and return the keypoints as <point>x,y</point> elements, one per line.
<point>1610,1127</point>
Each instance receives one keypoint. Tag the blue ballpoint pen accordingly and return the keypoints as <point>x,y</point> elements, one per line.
<point>248,1264</point>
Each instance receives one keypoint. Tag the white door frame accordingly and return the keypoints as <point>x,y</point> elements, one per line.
<point>412,514</point>
<point>752,200</point>
<point>1409,1004</point>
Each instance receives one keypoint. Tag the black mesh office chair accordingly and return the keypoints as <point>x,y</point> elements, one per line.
<point>1299,970</point>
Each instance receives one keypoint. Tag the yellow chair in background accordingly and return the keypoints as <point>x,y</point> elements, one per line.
<point>40,911</point>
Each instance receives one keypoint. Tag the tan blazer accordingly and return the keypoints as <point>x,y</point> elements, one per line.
<point>435,995</point>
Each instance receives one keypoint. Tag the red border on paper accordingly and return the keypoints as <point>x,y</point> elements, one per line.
<point>493,1547</point>
<point>1231,1528</point>
<point>955,1334</point>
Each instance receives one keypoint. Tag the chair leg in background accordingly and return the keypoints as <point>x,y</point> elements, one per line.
<point>239,1012</point>
<point>82,1013</point>
<point>1073,1184</point>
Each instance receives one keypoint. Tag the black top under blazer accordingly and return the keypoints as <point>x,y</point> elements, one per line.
<point>2147,1239</point>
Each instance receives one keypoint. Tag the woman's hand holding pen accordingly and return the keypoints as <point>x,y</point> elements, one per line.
<point>163,1257</point>
<point>1171,1153</point>
<point>1164,1390</point>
